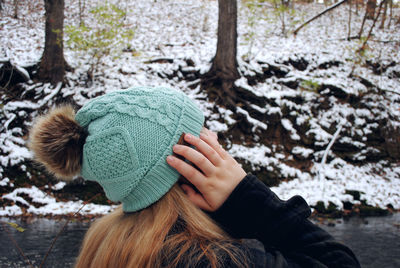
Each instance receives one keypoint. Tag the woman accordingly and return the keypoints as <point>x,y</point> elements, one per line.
<point>126,141</point>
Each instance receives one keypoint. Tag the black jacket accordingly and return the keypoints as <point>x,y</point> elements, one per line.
<point>289,238</point>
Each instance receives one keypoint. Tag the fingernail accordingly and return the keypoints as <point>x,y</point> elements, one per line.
<point>176,147</point>
<point>188,136</point>
<point>170,159</point>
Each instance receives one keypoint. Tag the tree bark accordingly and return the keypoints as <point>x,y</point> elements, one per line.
<point>16,9</point>
<point>362,24</point>
<point>390,13</point>
<point>371,6</point>
<point>224,68</point>
<point>52,65</point>
<point>382,26</point>
<point>349,22</point>
<point>362,48</point>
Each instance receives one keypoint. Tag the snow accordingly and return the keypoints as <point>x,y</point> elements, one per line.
<point>256,123</point>
<point>289,127</point>
<point>59,185</point>
<point>186,30</point>
<point>377,191</point>
<point>304,152</point>
<point>49,205</point>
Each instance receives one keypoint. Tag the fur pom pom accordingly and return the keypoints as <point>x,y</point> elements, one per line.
<point>57,142</point>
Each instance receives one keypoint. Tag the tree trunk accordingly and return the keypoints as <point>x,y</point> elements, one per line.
<point>390,13</point>
<point>357,6</point>
<point>224,69</point>
<point>371,6</point>
<point>362,24</point>
<point>382,26</point>
<point>16,9</point>
<point>52,65</point>
<point>349,22</point>
<point>81,5</point>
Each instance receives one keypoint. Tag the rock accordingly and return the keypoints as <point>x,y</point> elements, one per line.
<point>329,64</point>
<point>391,136</point>
<point>11,74</point>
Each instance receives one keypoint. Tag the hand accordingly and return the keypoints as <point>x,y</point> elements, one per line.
<point>219,172</point>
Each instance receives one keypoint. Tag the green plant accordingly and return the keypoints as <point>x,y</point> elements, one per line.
<point>360,55</point>
<point>252,18</point>
<point>284,13</point>
<point>108,35</point>
<point>309,85</point>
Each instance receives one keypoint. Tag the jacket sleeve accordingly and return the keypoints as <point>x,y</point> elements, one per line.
<point>289,238</point>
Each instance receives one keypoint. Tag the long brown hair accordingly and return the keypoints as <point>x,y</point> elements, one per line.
<point>169,233</point>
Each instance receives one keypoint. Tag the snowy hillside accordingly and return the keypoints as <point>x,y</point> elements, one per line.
<point>316,118</point>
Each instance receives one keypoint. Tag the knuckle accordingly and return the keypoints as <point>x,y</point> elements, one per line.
<point>213,154</point>
<point>191,172</point>
<point>202,161</point>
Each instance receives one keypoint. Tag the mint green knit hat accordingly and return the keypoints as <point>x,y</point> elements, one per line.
<point>130,134</point>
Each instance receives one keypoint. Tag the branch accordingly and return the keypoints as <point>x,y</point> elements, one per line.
<point>385,41</point>
<point>372,27</point>
<point>16,245</point>
<point>332,142</point>
<point>62,229</point>
<point>319,15</point>
<point>391,91</point>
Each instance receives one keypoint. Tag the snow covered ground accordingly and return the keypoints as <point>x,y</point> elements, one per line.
<point>183,33</point>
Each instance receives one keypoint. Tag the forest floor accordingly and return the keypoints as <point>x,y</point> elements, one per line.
<point>316,117</point>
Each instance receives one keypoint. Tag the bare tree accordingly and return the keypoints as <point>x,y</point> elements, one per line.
<point>319,15</point>
<point>82,5</point>
<point>349,22</point>
<point>371,6</point>
<point>384,15</point>
<point>16,9</point>
<point>390,13</point>
<point>224,69</point>
<point>362,24</point>
<point>362,48</point>
<point>52,65</point>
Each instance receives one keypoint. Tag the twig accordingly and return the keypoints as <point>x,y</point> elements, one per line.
<point>388,90</point>
<point>331,143</point>
<point>372,27</point>
<point>16,245</point>
<point>324,157</point>
<point>9,80</point>
<point>319,15</point>
<point>62,229</point>
<point>371,40</point>
<point>385,41</point>
<point>349,23</point>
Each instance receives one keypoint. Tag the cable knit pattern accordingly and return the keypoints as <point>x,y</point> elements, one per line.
<point>131,133</point>
<point>153,108</point>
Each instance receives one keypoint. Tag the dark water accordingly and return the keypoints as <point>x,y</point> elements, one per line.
<point>376,241</point>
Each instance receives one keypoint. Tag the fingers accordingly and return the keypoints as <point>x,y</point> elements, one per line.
<point>196,198</point>
<point>189,172</point>
<point>212,140</point>
<point>195,157</point>
<point>206,131</point>
<point>207,146</point>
